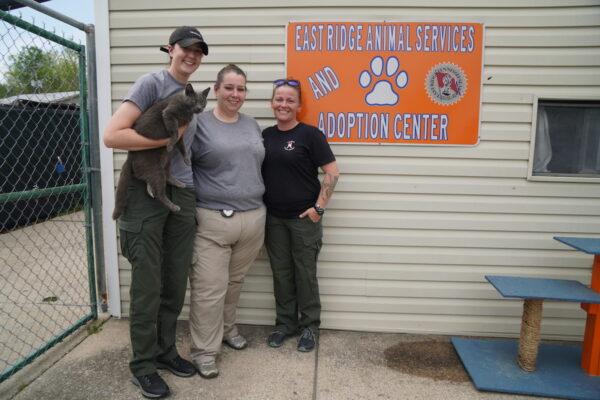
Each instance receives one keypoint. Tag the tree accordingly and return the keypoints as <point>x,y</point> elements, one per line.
<point>34,70</point>
<point>3,91</point>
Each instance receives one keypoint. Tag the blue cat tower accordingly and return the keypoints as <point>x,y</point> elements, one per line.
<point>528,367</point>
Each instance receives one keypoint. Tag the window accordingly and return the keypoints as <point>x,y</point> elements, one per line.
<point>567,139</point>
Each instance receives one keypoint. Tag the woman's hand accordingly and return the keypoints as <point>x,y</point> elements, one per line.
<point>119,132</point>
<point>312,214</point>
<point>181,130</point>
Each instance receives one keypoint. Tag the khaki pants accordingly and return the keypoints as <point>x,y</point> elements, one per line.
<point>224,249</point>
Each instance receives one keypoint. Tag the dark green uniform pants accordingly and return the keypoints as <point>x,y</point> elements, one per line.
<point>159,246</point>
<point>293,246</point>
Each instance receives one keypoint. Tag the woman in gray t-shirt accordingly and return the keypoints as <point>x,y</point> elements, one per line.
<point>157,242</point>
<point>227,153</point>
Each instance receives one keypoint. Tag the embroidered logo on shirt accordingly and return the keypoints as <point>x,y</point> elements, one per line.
<point>290,145</point>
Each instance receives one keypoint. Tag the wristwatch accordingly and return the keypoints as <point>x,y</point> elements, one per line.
<point>319,210</point>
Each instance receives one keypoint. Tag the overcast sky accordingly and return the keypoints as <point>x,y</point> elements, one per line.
<point>80,10</point>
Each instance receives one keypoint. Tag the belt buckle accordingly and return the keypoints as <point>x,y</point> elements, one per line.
<point>227,213</point>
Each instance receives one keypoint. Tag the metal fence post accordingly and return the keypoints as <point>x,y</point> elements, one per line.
<point>96,185</point>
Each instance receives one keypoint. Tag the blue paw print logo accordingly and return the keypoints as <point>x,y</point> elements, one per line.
<point>387,82</point>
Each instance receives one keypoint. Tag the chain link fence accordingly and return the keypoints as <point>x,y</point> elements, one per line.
<point>46,274</point>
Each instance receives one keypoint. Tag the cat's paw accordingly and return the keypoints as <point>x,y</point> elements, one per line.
<point>187,161</point>
<point>175,182</point>
<point>149,190</point>
<point>383,92</point>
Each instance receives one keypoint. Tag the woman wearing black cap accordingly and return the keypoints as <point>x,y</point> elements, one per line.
<point>157,242</point>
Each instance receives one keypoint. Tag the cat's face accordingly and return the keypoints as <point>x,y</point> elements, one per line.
<point>201,100</point>
<point>196,100</point>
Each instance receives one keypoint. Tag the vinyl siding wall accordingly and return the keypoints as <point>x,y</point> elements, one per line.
<point>412,231</point>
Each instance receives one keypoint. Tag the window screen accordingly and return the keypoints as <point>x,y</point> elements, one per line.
<point>567,138</point>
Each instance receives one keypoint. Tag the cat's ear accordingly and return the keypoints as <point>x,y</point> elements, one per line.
<point>205,91</point>
<point>189,89</point>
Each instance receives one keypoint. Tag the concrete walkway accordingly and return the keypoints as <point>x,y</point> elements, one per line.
<point>347,365</point>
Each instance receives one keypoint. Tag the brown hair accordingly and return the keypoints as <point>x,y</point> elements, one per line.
<point>226,69</point>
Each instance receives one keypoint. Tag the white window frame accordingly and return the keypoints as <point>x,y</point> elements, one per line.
<point>534,115</point>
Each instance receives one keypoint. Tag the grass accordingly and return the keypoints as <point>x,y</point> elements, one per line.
<point>94,327</point>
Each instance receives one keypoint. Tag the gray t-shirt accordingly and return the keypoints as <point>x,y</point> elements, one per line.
<point>226,160</point>
<point>151,88</point>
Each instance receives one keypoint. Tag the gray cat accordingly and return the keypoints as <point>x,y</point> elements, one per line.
<point>160,121</point>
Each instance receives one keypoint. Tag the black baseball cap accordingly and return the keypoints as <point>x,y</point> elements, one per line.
<point>186,36</point>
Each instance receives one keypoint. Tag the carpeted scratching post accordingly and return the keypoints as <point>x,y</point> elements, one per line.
<point>553,370</point>
<point>530,334</point>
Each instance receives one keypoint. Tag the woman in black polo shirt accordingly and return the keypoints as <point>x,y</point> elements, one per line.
<point>296,202</point>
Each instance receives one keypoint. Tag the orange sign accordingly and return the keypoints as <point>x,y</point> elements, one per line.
<point>396,83</point>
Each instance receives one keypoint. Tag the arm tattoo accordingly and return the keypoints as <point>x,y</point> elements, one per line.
<point>328,185</point>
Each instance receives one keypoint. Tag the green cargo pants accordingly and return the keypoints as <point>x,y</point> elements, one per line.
<point>293,246</point>
<point>159,246</point>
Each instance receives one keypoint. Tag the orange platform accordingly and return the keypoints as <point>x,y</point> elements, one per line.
<point>590,357</point>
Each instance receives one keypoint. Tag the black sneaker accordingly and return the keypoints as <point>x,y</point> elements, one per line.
<point>307,340</point>
<point>177,366</point>
<point>152,386</point>
<point>276,338</point>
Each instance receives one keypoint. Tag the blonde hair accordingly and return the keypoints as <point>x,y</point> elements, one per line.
<point>298,90</point>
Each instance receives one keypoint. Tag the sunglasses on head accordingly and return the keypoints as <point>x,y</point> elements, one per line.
<point>289,82</point>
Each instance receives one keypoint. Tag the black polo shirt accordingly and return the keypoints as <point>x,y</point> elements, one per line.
<point>290,169</point>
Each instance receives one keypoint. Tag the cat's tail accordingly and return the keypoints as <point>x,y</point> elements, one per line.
<point>121,193</point>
